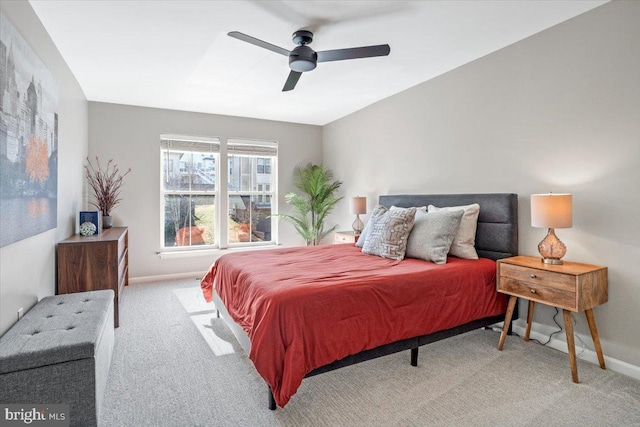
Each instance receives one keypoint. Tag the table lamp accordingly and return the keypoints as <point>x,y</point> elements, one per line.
<point>357,206</point>
<point>551,211</point>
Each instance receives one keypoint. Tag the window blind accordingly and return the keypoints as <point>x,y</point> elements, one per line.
<point>192,144</point>
<point>252,148</point>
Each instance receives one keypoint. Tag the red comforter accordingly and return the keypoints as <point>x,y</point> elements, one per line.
<point>306,307</point>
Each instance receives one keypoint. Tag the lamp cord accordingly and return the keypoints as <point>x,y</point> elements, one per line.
<point>560,329</point>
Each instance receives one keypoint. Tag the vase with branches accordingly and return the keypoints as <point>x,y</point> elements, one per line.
<point>315,204</point>
<point>106,184</point>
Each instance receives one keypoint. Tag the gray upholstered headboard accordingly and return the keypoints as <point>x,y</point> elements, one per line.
<point>497,234</point>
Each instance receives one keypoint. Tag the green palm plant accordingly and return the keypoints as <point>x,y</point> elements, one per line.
<point>315,204</point>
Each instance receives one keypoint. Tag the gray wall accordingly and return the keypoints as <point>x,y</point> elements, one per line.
<point>131,137</point>
<point>27,268</point>
<point>559,111</point>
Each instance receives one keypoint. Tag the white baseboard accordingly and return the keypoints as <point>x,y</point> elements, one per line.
<point>541,333</point>
<point>178,276</point>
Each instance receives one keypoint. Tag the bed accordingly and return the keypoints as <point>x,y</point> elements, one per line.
<point>299,312</point>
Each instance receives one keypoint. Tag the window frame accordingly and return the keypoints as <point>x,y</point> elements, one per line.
<point>188,192</point>
<point>221,193</point>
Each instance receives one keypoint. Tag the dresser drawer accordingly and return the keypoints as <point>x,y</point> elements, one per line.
<point>122,245</point>
<point>122,265</point>
<point>538,293</point>
<point>534,276</point>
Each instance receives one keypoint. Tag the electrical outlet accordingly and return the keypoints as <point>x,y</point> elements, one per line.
<point>20,312</point>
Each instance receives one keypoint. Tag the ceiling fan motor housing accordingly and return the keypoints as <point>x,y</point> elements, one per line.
<point>303,58</point>
<point>302,37</point>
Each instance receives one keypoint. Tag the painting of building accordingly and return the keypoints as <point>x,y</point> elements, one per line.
<point>28,140</point>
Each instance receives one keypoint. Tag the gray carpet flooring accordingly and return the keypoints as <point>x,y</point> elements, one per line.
<point>174,364</point>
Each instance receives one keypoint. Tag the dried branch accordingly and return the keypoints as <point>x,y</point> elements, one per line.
<point>106,184</point>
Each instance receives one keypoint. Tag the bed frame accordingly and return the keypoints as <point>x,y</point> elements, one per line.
<point>496,238</point>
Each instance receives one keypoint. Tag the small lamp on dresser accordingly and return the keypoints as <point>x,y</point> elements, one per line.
<point>358,206</point>
<point>551,211</point>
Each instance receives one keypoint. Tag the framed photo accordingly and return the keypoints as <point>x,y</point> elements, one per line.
<point>94,217</point>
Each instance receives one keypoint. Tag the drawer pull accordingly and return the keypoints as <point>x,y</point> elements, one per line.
<point>533,291</point>
<point>533,276</point>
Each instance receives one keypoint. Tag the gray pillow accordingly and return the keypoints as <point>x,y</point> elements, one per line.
<point>365,231</point>
<point>463,245</point>
<point>367,226</point>
<point>432,234</point>
<point>389,232</point>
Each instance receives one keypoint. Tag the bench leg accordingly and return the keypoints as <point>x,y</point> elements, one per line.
<point>414,356</point>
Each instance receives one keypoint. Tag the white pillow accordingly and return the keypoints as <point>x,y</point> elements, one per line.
<point>463,245</point>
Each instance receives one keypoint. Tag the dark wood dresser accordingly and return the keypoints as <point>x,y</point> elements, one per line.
<point>91,263</point>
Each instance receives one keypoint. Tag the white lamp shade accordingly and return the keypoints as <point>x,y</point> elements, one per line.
<point>358,205</point>
<point>551,210</point>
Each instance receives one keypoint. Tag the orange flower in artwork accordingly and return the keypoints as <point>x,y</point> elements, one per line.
<point>37,208</point>
<point>37,160</point>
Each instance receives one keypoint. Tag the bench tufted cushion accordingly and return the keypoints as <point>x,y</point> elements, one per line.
<point>58,329</point>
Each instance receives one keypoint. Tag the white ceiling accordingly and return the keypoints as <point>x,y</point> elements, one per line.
<point>176,54</point>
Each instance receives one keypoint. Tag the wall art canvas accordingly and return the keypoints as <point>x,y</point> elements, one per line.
<point>28,140</point>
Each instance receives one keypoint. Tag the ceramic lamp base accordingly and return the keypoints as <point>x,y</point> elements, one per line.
<point>552,249</point>
<point>357,225</point>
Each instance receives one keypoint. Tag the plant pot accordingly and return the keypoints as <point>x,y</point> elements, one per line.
<point>243,232</point>
<point>107,221</point>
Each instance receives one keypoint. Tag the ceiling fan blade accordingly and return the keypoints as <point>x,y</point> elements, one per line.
<point>353,53</point>
<point>258,42</point>
<point>292,80</point>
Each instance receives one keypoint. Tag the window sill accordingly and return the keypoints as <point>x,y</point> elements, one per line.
<point>212,252</point>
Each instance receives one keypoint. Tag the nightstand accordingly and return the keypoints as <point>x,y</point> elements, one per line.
<point>571,286</point>
<point>344,237</point>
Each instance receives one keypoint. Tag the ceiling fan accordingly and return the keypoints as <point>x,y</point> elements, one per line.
<point>302,58</point>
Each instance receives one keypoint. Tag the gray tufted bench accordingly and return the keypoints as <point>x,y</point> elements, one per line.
<point>60,352</point>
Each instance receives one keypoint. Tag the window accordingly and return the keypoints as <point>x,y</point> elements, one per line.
<point>248,189</point>
<point>197,211</point>
<point>189,191</point>
<point>264,165</point>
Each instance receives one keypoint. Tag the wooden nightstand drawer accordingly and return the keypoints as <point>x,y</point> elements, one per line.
<point>344,237</point>
<point>536,276</point>
<point>538,293</point>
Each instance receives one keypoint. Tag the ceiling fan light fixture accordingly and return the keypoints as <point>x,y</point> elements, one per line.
<point>301,65</point>
<point>302,59</point>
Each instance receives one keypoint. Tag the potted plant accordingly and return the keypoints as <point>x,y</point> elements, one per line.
<point>315,204</point>
<point>106,184</point>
